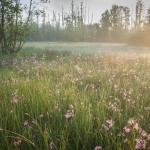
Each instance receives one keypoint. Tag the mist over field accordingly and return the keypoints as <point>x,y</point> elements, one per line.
<point>74,75</point>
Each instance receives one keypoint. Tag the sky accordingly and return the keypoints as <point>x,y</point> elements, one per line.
<point>95,7</point>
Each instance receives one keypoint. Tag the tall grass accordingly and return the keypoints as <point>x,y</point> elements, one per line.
<point>75,102</point>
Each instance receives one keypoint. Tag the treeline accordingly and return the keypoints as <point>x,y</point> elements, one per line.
<point>116,24</point>
<point>31,22</point>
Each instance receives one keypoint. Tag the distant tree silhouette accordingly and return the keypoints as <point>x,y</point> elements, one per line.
<point>139,10</point>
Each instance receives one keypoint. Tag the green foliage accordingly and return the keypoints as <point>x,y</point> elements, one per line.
<point>13,26</point>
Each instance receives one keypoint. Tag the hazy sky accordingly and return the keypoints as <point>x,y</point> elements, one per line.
<point>95,6</point>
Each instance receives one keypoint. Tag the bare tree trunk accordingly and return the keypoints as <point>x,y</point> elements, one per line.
<point>3,39</point>
<point>62,16</point>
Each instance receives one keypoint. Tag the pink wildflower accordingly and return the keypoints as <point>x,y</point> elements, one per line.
<point>140,144</point>
<point>17,142</point>
<point>14,98</point>
<point>108,125</point>
<point>98,148</point>
<point>70,113</point>
<point>126,130</point>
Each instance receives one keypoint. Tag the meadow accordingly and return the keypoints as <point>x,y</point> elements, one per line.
<point>84,96</point>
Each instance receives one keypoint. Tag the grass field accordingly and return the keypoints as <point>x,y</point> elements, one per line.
<point>61,100</point>
<point>84,47</point>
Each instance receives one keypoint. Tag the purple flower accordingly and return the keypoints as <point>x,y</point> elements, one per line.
<point>140,144</point>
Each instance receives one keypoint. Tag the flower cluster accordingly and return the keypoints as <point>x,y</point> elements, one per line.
<point>142,137</point>
<point>17,142</point>
<point>140,144</point>
<point>108,125</point>
<point>28,124</point>
<point>98,148</point>
<point>70,113</point>
<point>15,98</point>
<point>131,125</point>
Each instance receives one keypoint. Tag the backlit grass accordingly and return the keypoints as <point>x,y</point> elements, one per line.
<point>75,102</point>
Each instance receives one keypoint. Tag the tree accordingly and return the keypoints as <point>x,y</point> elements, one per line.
<point>106,21</point>
<point>115,17</point>
<point>37,14</point>
<point>148,16</point>
<point>115,22</point>
<point>13,25</point>
<point>126,18</point>
<point>139,10</point>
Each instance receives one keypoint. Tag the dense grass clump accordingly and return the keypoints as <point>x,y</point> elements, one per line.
<point>75,102</point>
